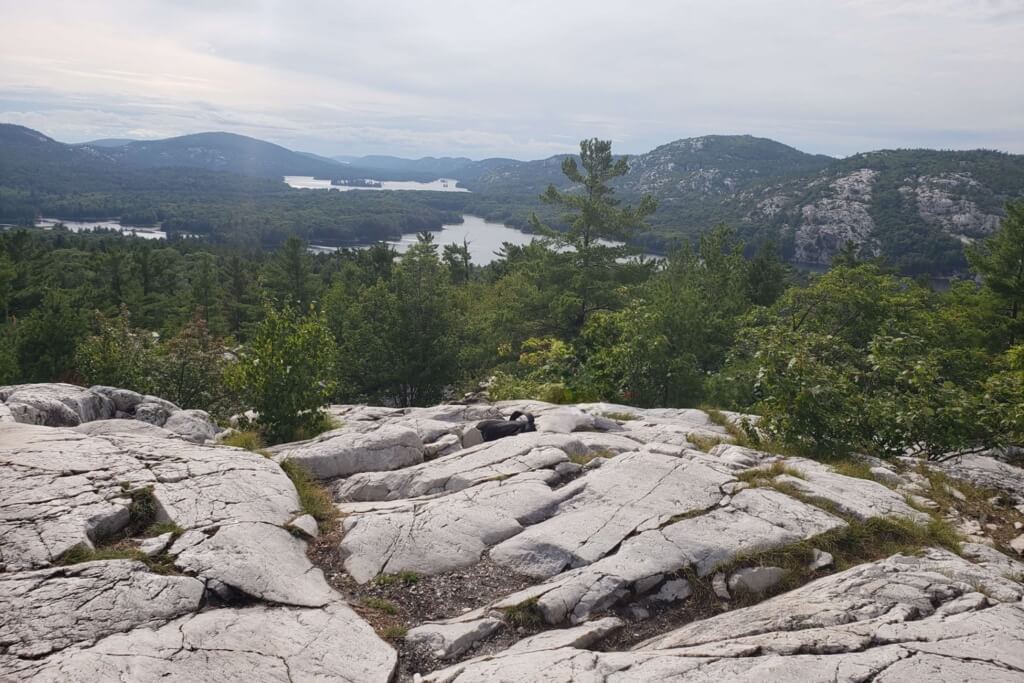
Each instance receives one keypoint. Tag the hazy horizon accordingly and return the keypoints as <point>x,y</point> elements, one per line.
<point>524,80</point>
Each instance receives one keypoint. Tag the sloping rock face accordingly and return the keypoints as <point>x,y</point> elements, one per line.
<point>602,547</point>
<point>900,619</point>
<point>260,643</point>
<point>611,521</point>
<point>342,452</point>
<point>841,216</point>
<point>942,200</point>
<point>237,593</point>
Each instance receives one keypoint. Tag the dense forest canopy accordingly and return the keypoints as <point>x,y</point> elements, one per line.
<point>856,358</point>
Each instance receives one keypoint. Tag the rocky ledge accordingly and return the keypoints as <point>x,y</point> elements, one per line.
<point>612,544</point>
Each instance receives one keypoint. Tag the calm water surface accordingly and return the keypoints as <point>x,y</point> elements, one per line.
<point>305,182</point>
<point>82,226</point>
<point>484,238</point>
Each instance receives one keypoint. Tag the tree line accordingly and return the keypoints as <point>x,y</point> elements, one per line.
<point>857,358</point>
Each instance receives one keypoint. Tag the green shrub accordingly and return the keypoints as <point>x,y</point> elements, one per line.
<point>283,373</point>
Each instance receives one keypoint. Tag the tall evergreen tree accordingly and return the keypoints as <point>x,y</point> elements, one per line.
<point>1000,262</point>
<point>593,217</point>
<point>290,276</point>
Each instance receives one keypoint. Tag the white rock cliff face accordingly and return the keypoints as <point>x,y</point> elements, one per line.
<point>605,524</point>
<point>940,201</point>
<point>841,216</point>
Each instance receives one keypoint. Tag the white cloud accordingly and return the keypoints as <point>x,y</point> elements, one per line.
<point>521,79</point>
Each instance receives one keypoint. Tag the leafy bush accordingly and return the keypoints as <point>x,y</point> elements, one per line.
<point>283,373</point>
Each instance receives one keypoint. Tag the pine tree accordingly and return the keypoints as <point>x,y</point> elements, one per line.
<point>593,217</point>
<point>1000,262</point>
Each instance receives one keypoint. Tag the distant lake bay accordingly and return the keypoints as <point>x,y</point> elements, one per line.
<point>305,182</point>
<point>484,238</point>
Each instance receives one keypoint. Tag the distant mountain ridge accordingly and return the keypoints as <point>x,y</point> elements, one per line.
<point>225,152</point>
<point>916,208</point>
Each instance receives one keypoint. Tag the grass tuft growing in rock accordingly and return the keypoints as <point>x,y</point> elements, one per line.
<point>141,510</point>
<point>250,440</point>
<point>704,443</point>
<point>985,505</point>
<point>524,614</point>
<point>380,604</point>
<point>584,458</point>
<point>160,528</point>
<point>857,543</point>
<point>405,577</point>
<point>859,469</point>
<point>159,564</point>
<point>619,416</point>
<point>314,498</point>
<point>394,632</point>
<point>325,423</point>
<point>763,476</point>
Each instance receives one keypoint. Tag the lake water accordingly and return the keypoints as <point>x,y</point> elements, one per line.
<point>484,238</point>
<point>81,226</point>
<point>305,182</point>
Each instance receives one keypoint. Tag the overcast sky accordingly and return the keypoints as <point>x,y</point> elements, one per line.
<point>520,78</point>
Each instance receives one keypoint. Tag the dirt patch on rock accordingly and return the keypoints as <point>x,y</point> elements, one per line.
<point>397,603</point>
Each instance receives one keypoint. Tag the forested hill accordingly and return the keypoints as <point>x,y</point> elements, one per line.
<point>226,152</point>
<point>914,208</point>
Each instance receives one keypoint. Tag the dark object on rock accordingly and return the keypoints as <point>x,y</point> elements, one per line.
<point>492,430</point>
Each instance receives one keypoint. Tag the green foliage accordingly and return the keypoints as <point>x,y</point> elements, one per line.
<point>47,338</point>
<point>314,499</point>
<point>594,215</point>
<point>118,355</point>
<point>1000,262</point>
<point>404,577</point>
<point>397,335</point>
<point>525,614</point>
<point>546,371</point>
<point>250,440</point>
<point>380,604</point>
<point>659,349</point>
<point>861,360</point>
<point>189,369</point>
<point>284,372</point>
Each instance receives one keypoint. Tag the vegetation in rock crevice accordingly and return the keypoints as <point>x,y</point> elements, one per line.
<point>314,499</point>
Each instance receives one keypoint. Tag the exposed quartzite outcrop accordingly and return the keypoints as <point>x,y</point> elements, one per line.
<point>606,514</point>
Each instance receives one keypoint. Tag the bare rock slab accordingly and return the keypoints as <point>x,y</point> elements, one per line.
<point>341,453</point>
<point>450,640</point>
<point>899,619</point>
<point>631,492</point>
<point>49,609</point>
<point>440,534</point>
<point>261,560</point>
<point>233,645</point>
<point>463,469</point>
